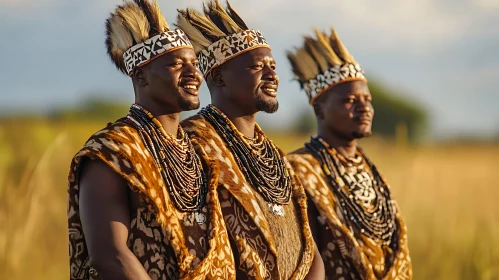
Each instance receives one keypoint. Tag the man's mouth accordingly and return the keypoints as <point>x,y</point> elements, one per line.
<point>191,87</point>
<point>270,89</point>
<point>363,120</point>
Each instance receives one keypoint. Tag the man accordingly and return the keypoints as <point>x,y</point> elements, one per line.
<point>142,204</point>
<point>355,222</point>
<point>263,205</point>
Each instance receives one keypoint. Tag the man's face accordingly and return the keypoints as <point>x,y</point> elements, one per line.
<point>346,110</point>
<point>173,80</point>
<point>251,82</point>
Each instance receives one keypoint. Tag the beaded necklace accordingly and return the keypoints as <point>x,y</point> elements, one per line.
<point>259,160</point>
<point>376,220</point>
<point>176,160</point>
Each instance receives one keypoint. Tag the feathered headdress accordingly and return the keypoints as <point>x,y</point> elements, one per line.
<point>218,34</point>
<point>137,33</point>
<point>322,63</point>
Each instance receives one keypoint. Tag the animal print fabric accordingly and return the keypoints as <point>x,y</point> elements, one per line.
<point>347,254</point>
<point>153,47</point>
<point>229,47</point>
<point>259,247</point>
<point>334,75</point>
<point>158,237</point>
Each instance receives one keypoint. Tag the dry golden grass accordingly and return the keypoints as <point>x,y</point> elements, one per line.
<point>448,195</point>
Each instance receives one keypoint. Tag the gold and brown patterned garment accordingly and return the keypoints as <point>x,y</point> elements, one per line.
<point>265,246</point>
<point>346,251</point>
<point>161,237</point>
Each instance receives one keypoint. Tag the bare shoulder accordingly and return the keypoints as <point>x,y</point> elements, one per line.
<point>101,179</point>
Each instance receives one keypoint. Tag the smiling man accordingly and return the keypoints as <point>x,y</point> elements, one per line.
<point>355,222</point>
<point>142,203</point>
<point>263,204</point>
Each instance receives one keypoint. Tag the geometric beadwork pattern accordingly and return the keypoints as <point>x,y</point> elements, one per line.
<point>153,47</point>
<point>336,74</point>
<point>226,48</point>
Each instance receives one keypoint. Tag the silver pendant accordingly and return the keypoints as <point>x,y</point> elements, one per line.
<point>200,218</point>
<point>276,209</point>
<point>197,217</point>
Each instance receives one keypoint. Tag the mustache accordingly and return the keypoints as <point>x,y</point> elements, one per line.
<point>363,117</point>
<point>190,80</point>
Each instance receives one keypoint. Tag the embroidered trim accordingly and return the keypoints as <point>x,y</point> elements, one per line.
<point>153,47</point>
<point>229,47</point>
<point>335,75</point>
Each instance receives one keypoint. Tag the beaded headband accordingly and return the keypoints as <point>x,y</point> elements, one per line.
<point>229,47</point>
<point>144,52</point>
<point>333,76</point>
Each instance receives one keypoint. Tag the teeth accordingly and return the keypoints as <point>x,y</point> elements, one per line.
<point>270,89</point>
<point>190,87</point>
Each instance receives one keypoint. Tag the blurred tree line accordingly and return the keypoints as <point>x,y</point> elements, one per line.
<point>92,108</point>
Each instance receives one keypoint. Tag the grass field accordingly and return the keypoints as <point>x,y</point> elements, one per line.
<point>448,195</point>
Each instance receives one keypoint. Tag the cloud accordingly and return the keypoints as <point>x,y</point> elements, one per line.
<point>416,27</point>
<point>26,5</point>
<point>441,50</point>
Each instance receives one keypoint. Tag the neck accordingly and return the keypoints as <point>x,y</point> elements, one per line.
<point>346,148</point>
<point>169,121</point>
<point>244,123</point>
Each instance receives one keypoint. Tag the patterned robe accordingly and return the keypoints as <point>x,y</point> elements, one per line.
<point>166,247</point>
<point>265,246</point>
<point>347,254</point>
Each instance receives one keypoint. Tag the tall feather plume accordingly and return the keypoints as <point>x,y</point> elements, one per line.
<point>124,28</point>
<point>210,11</point>
<point>235,17</point>
<point>203,24</point>
<point>326,49</point>
<point>340,49</point>
<point>318,55</point>
<point>313,49</point>
<point>135,20</point>
<point>303,65</point>
<point>225,18</point>
<point>154,16</point>
<point>199,42</point>
<point>162,24</point>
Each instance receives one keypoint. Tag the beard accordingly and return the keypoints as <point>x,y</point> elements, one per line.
<point>267,106</point>
<point>361,134</point>
<point>188,105</point>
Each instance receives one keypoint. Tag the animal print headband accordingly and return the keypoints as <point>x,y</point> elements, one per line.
<point>145,52</point>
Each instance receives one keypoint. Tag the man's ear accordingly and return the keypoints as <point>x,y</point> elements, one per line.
<point>319,111</point>
<point>217,77</point>
<point>139,77</point>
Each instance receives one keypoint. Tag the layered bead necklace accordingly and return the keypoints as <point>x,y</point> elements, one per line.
<point>176,160</point>
<point>259,160</point>
<point>366,204</point>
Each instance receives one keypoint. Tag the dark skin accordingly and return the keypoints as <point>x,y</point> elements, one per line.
<point>344,115</point>
<point>166,86</point>
<point>244,86</point>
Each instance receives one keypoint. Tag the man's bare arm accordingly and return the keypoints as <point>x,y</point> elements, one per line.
<point>317,271</point>
<point>104,212</point>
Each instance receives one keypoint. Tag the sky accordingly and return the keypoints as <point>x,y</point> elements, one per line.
<point>441,54</point>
